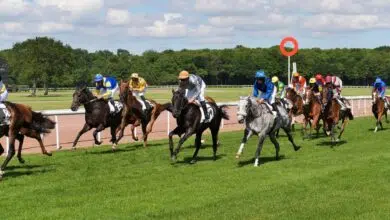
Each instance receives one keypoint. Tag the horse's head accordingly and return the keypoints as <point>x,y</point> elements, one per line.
<point>124,90</point>
<point>374,96</point>
<point>80,97</point>
<point>295,99</point>
<point>179,101</point>
<point>308,96</point>
<point>242,109</point>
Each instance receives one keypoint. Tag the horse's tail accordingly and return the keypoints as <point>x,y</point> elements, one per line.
<point>42,124</point>
<point>223,112</point>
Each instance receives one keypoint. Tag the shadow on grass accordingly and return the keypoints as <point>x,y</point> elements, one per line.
<point>187,160</point>
<point>330,144</point>
<point>373,129</point>
<point>14,174</point>
<point>127,148</point>
<point>263,160</point>
<point>23,166</point>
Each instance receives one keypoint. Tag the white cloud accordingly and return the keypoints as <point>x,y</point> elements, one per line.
<point>52,27</point>
<point>118,17</point>
<point>12,7</point>
<point>229,6</point>
<point>12,27</point>
<point>73,6</point>
<point>334,22</point>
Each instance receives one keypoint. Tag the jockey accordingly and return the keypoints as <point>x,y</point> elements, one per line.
<point>106,87</point>
<point>380,88</point>
<point>335,85</point>
<point>316,88</point>
<point>194,87</point>
<point>298,83</point>
<point>320,81</point>
<point>138,86</point>
<point>280,88</point>
<point>3,91</point>
<point>267,88</point>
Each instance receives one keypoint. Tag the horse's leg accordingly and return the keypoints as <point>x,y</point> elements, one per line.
<point>247,135</point>
<point>11,153</point>
<point>214,134</point>
<point>1,149</point>
<point>342,129</point>
<point>290,138</point>
<point>175,131</point>
<point>20,138</point>
<point>83,130</point>
<point>277,133</point>
<point>385,113</point>
<point>276,144</point>
<point>187,134</point>
<point>37,136</point>
<point>97,130</point>
<point>262,137</point>
<point>315,123</point>
<point>144,133</point>
<point>122,125</point>
<point>332,134</point>
<point>113,131</point>
<point>198,144</point>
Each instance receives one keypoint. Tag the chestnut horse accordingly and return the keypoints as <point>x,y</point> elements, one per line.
<point>134,108</point>
<point>378,109</point>
<point>23,122</point>
<point>312,111</point>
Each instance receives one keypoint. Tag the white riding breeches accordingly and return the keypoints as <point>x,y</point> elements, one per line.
<point>137,95</point>
<point>200,97</point>
<point>4,96</point>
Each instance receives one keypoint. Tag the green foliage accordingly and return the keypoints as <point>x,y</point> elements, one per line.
<point>47,61</point>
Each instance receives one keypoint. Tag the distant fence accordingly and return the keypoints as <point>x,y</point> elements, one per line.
<point>29,89</point>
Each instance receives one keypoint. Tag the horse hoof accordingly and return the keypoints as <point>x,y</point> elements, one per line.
<point>21,160</point>
<point>297,148</point>
<point>135,139</point>
<point>98,143</point>
<point>256,165</point>
<point>173,158</point>
<point>237,156</point>
<point>193,162</point>
<point>49,154</point>
<point>1,173</point>
<point>73,148</point>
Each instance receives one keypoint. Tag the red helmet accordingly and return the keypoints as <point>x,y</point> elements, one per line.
<point>318,76</point>
<point>328,79</point>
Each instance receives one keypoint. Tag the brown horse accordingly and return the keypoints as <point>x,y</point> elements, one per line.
<point>332,115</point>
<point>378,109</point>
<point>296,103</point>
<point>133,107</point>
<point>312,111</point>
<point>23,122</point>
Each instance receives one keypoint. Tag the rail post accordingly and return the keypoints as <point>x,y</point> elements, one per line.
<point>57,133</point>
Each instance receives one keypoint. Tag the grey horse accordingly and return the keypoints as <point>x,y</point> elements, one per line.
<point>259,120</point>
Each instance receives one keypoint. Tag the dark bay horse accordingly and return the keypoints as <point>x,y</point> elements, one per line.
<point>23,122</point>
<point>97,115</point>
<point>188,117</point>
<point>296,104</point>
<point>312,112</point>
<point>134,108</point>
<point>332,115</point>
<point>379,109</point>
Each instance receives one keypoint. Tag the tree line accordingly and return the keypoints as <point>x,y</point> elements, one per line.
<point>46,62</point>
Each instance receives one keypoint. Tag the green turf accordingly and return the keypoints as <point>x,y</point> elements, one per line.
<point>350,181</point>
<point>63,99</point>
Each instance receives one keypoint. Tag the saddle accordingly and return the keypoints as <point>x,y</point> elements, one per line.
<point>5,115</point>
<point>210,110</point>
<point>115,109</point>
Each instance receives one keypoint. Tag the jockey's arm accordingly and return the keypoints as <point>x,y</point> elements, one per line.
<point>255,90</point>
<point>3,89</point>
<point>107,94</point>
<point>141,85</point>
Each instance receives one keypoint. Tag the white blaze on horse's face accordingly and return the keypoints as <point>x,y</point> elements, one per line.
<point>241,114</point>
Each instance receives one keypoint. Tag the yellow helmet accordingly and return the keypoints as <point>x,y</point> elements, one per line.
<point>184,74</point>
<point>296,74</point>
<point>275,79</point>
<point>134,75</point>
<point>312,80</point>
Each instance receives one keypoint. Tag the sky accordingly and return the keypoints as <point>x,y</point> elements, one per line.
<point>139,25</point>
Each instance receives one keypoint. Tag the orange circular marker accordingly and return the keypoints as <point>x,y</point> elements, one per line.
<point>284,51</point>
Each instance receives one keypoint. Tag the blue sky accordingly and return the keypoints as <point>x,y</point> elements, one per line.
<point>139,25</point>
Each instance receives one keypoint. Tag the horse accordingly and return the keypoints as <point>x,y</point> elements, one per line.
<point>189,121</point>
<point>378,109</point>
<point>23,122</point>
<point>312,111</point>
<point>134,108</point>
<point>97,115</point>
<point>258,120</point>
<point>332,115</point>
<point>296,104</point>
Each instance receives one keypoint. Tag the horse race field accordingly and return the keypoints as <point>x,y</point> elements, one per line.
<point>63,99</point>
<point>350,181</point>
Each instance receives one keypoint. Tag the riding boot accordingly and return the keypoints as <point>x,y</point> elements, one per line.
<point>147,105</point>
<point>206,114</point>
<point>113,105</point>
<point>275,108</point>
<point>343,107</point>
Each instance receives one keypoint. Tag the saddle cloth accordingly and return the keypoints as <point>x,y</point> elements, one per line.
<point>4,115</point>
<point>210,110</point>
<point>118,106</point>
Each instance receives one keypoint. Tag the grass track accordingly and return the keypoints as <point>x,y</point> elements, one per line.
<point>348,182</point>
<point>63,99</point>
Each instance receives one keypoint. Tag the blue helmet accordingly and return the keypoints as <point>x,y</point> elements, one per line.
<point>260,74</point>
<point>98,77</point>
<point>378,80</point>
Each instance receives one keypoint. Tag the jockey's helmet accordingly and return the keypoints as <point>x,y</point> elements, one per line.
<point>260,74</point>
<point>328,79</point>
<point>98,77</point>
<point>275,79</point>
<point>134,75</point>
<point>312,80</point>
<point>296,74</point>
<point>318,76</point>
<point>378,80</point>
<point>184,75</point>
